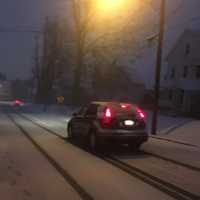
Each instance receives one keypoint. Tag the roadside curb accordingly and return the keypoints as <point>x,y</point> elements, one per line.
<point>174,141</point>
<point>173,128</point>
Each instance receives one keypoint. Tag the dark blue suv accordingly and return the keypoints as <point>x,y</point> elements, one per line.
<point>109,121</point>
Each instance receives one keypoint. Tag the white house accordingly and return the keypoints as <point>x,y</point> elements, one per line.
<point>182,81</point>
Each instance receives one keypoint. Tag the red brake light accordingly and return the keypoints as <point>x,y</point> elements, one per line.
<point>108,113</point>
<point>124,105</point>
<point>18,101</point>
<point>140,113</point>
<point>107,116</point>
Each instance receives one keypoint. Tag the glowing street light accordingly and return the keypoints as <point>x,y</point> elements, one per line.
<point>108,5</point>
<point>112,7</point>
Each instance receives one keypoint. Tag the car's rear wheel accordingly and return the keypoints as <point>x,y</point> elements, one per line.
<point>93,142</point>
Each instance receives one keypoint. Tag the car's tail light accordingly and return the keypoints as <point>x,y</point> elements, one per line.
<point>107,116</point>
<point>140,113</point>
<point>18,101</point>
<point>108,113</point>
<point>125,105</point>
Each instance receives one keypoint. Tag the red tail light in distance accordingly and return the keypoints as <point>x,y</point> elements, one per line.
<point>140,113</point>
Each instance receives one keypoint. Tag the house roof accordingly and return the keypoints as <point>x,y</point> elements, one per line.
<point>186,33</point>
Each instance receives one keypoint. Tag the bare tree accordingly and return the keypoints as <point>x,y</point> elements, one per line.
<point>47,67</point>
<point>106,40</point>
<point>96,41</point>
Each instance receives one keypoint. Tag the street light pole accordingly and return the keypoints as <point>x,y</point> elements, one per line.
<point>158,68</point>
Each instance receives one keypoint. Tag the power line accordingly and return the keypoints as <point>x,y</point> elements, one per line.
<point>170,28</point>
<point>14,30</point>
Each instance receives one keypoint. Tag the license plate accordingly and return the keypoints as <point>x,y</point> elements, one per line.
<point>129,123</point>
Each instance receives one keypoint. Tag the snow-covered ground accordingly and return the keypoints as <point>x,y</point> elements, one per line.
<point>173,132</point>
<point>166,123</point>
<point>27,173</point>
<point>55,119</point>
<point>185,130</point>
<point>188,133</point>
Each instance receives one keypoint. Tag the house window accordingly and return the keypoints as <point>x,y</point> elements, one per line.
<point>198,72</point>
<point>187,49</point>
<point>185,71</point>
<point>172,75</point>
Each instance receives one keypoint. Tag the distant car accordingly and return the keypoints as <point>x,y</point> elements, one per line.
<point>18,102</point>
<point>109,121</point>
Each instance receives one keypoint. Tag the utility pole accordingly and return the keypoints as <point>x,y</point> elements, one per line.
<point>36,65</point>
<point>81,19</point>
<point>158,68</point>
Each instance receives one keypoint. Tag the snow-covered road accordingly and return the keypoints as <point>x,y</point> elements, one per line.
<point>25,172</point>
<point>98,178</point>
<point>185,130</point>
<point>55,118</point>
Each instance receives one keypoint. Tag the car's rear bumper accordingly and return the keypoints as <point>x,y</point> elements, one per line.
<point>123,136</point>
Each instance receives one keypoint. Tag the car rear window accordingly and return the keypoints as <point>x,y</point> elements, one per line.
<point>92,109</point>
<point>123,109</point>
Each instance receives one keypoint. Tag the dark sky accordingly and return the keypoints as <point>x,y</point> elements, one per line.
<point>16,49</point>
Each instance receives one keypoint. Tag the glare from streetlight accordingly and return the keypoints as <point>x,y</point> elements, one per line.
<point>113,7</point>
<point>106,5</point>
